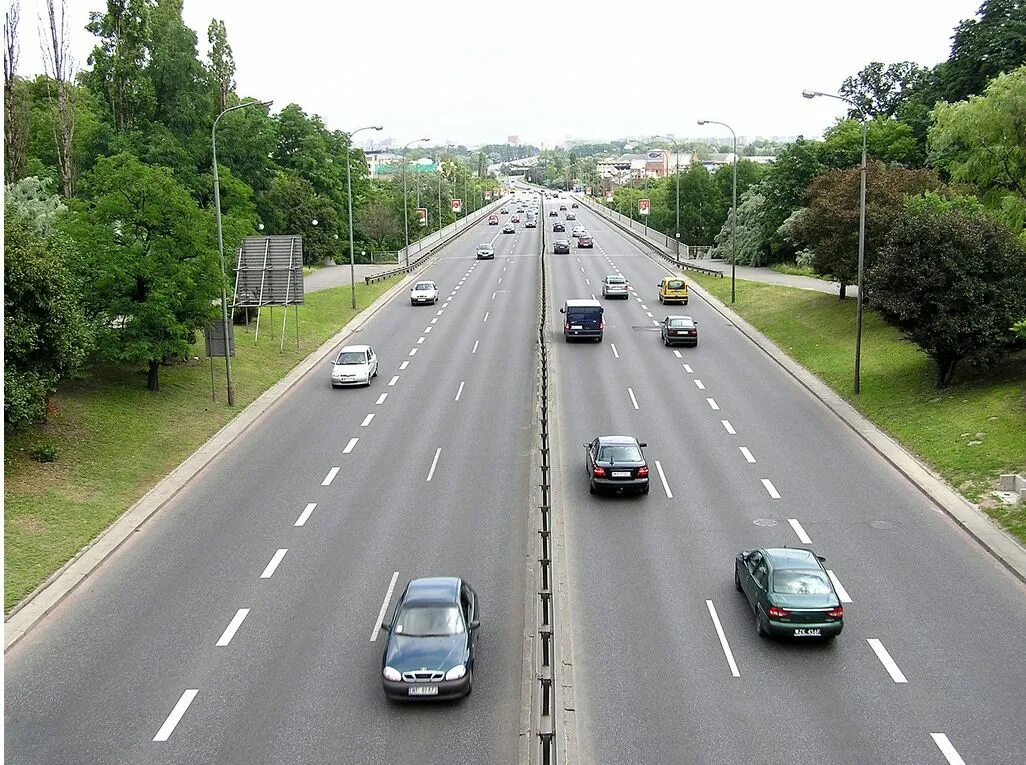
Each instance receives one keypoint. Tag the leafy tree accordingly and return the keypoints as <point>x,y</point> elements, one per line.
<point>784,187</point>
<point>36,207</point>
<point>953,283</point>
<point>752,248</point>
<point>46,334</point>
<point>882,90</point>
<point>119,62</point>
<point>182,98</point>
<point>222,62</point>
<point>748,174</point>
<point>982,141</point>
<point>15,103</point>
<point>830,224</point>
<point>152,261</point>
<point>291,206</point>
<point>985,47</point>
<point>378,223</point>
<point>890,141</point>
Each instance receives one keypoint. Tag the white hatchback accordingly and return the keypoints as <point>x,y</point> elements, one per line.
<point>424,292</point>
<point>354,365</point>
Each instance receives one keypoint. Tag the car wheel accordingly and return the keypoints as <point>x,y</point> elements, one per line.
<point>591,488</point>
<point>737,580</point>
<point>759,626</point>
<point>470,683</point>
<point>660,298</point>
<point>645,490</point>
<point>665,341</point>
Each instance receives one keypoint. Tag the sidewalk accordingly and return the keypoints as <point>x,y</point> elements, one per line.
<point>336,276</point>
<point>768,276</point>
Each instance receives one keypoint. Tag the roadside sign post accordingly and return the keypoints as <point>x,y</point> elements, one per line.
<point>422,215</point>
<point>644,208</point>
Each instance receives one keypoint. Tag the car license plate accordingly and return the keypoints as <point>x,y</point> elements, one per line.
<point>621,474</point>
<point>808,633</point>
<point>576,326</point>
<point>424,690</point>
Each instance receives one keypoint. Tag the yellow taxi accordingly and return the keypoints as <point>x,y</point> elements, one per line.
<point>673,289</point>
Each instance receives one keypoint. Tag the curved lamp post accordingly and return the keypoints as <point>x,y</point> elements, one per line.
<point>349,194</point>
<point>733,206</point>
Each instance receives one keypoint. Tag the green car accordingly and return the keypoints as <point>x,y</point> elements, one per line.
<point>790,592</point>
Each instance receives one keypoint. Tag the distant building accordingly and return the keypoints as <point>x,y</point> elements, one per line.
<point>384,164</point>
<point>657,163</point>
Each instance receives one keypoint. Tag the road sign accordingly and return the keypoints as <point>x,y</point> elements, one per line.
<point>488,194</point>
<point>457,205</point>
<point>644,206</point>
<point>587,190</point>
<point>422,214</point>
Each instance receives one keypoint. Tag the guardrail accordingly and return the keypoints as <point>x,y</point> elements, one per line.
<point>662,245</point>
<point>435,240</point>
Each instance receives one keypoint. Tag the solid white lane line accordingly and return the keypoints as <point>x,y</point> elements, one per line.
<point>434,463</point>
<point>413,351</point>
<point>439,312</point>
<point>662,477</point>
<point>615,354</point>
<point>799,530</point>
<point>728,427</point>
<point>176,714</point>
<point>688,369</point>
<point>273,564</point>
<point>232,628</point>
<point>747,454</point>
<point>367,420</point>
<point>713,404</point>
<point>885,659</point>
<point>699,385</point>
<point>842,593</point>
<point>942,742</point>
<point>404,365</point>
<point>330,476</point>
<point>723,639</point>
<point>634,401</point>
<point>420,340</point>
<point>475,346</point>
<point>350,446</point>
<point>305,515</point>
<point>393,381</point>
<point>381,398</point>
<point>460,391</point>
<point>384,607</point>
<point>677,353</point>
<point>486,315</point>
<point>776,495</point>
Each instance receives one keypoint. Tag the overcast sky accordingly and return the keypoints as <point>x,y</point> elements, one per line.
<point>470,72</point>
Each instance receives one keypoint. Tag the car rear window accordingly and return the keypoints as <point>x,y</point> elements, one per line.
<point>675,284</point>
<point>680,323</point>
<point>800,582</point>
<point>620,453</point>
<point>614,280</point>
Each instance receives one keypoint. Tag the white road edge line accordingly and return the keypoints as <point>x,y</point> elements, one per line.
<point>615,354</point>
<point>885,659</point>
<point>460,391</point>
<point>842,593</point>
<point>634,401</point>
<point>384,607</point>
<point>269,569</point>
<point>330,476</point>
<point>949,752</point>
<point>723,639</point>
<point>350,446</point>
<point>662,477</point>
<point>305,515</point>
<point>232,628</point>
<point>747,454</point>
<point>728,427</point>
<point>367,420</point>
<point>176,714</point>
<point>434,463</point>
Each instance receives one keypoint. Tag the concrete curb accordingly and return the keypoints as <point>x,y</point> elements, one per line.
<point>66,579</point>
<point>995,540</point>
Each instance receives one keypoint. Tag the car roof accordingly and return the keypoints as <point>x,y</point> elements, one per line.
<point>671,317</point>
<point>792,557</point>
<point>608,440</point>
<point>433,589</point>
<point>347,348</point>
<point>583,303</point>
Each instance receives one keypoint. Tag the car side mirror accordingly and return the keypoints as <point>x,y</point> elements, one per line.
<point>562,310</point>
<point>474,625</point>
<point>822,559</point>
<point>585,444</point>
<point>642,444</point>
<point>386,626</point>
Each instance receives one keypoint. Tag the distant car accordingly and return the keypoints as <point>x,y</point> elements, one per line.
<point>614,285</point>
<point>562,207</point>
<point>509,228</point>
<point>679,329</point>
<point>561,247</point>
<point>424,292</point>
<point>553,214</point>
<point>485,251</point>
<point>520,209</point>
<point>573,205</point>
<point>503,211</point>
<point>531,223</point>
<point>515,219</point>
<point>585,240</point>
<point>616,463</point>
<point>354,365</point>
<point>578,230</point>
<point>571,216</point>
<point>429,653</point>
<point>558,226</point>
<point>790,592</point>
<point>493,220</point>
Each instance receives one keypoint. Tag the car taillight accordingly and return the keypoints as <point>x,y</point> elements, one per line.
<point>599,472</point>
<point>778,613</point>
<point>836,613</point>
<point>643,471</point>
<point>568,325</point>
<point>602,325</point>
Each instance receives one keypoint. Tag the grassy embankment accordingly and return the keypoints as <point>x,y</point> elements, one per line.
<point>970,432</point>
<point>114,439</point>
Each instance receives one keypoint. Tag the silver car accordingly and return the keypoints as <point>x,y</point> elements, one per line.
<point>424,292</point>
<point>354,365</point>
<point>614,285</point>
<point>484,251</point>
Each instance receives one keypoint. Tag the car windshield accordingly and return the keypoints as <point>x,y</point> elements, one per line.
<point>674,284</point>
<point>620,453</point>
<point>800,582</point>
<point>424,286</point>
<point>680,322</point>
<point>429,621</point>
<point>352,357</point>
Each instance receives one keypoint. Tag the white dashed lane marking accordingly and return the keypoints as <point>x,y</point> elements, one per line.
<point>367,420</point>
<point>728,427</point>
<point>634,401</point>
<point>232,628</point>
<point>947,749</point>
<point>305,515</point>
<point>330,476</point>
<point>176,715</point>
<point>776,495</point>
<point>404,365</point>
<point>842,593</point>
<point>434,464</point>
<point>351,445</point>
<point>712,403</point>
<point>885,658</point>
<point>270,568</point>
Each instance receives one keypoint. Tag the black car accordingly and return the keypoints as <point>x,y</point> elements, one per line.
<point>679,329</point>
<point>583,319</point>
<point>573,206</point>
<point>553,214</point>
<point>561,247</point>
<point>430,648</point>
<point>559,226</point>
<point>790,592</point>
<point>616,463</point>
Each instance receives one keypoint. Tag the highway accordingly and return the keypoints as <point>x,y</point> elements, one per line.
<point>744,457</point>
<point>241,622</point>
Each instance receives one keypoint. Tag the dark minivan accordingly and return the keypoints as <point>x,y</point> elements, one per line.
<point>583,319</point>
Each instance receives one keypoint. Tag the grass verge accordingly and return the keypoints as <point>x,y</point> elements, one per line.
<point>970,432</point>
<point>796,270</point>
<point>115,440</point>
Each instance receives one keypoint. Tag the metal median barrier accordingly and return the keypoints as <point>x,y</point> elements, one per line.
<point>662,245</point>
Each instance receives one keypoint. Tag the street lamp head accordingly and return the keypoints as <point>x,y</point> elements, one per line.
<point>809,93</point>
<point>314,221</point>
<point>377,127</point>
<point>703,122</point>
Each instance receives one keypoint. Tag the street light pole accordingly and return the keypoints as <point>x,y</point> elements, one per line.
<point>406,203</point>
<point>733,205</point>
<point>349,194</point>
<point>857,387</point>
<point>220,244</point>
<point>676,171</point>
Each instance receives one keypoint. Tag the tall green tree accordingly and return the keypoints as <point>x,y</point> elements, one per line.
<point>222,62</point>
<point>152,262</point>
<point>984,47</point>
<point>119,61</point>
<point>784,188</point>
<point>882,90</point>
<point>183,100</point>
<point>291,206</point>
<point>890,141</point>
